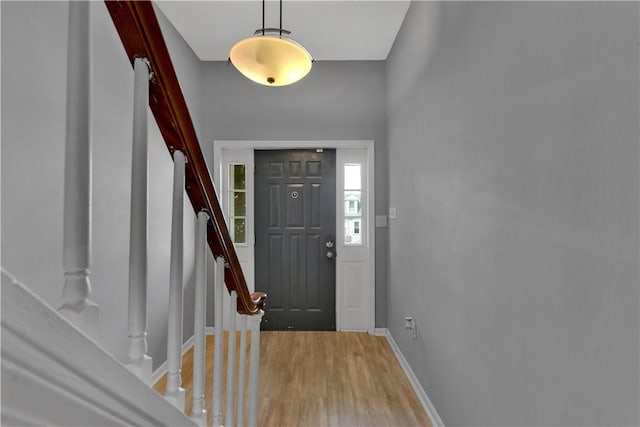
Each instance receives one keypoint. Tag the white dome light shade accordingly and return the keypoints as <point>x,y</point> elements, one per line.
<point>271,60</point>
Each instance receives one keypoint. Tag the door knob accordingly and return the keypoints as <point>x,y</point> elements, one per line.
<point>329,254</point>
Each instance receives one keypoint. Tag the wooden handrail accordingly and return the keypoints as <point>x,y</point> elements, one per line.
<point>141,37</point>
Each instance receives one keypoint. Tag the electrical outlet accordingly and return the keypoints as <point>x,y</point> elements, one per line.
<point>410,325</point>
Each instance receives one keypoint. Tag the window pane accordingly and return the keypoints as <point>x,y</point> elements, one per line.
<point>352,203</point>
<point>352,180</point>
<point>239,204</point>
<point>352,235</point>
<point>238,230</point>
<point>353,217</point>
<point>236,177</point>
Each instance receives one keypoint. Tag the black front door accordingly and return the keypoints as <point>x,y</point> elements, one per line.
<point>295,226</point>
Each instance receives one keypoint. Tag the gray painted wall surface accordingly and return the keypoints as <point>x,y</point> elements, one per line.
<point>33,120</point>
<point>513,162</point>
<point>336,101</point>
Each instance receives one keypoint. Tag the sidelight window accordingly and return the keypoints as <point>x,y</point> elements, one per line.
<point>352,196</point>
<point>237,194</point>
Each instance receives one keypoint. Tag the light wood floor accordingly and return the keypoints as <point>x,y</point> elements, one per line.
<point>310,379</point>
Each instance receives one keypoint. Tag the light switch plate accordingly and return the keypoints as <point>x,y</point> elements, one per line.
<point>392,213</point>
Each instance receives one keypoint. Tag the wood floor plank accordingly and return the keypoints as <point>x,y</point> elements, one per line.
<point>314,379</point>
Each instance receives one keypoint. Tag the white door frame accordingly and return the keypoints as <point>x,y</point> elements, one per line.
<point>368,146</point>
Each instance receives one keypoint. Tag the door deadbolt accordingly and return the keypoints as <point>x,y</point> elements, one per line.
<point>329,245</point>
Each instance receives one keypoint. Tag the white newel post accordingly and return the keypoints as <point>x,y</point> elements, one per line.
<point>198,414</point>
<point>231,361</point>
<point>218,292</point>
<point>254,368</point>
<point>77,306</point>
<point>139,362</point>
<point>175,393</point>
<point>241,369</point>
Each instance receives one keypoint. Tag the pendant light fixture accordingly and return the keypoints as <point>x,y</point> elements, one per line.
<point>270,57</point>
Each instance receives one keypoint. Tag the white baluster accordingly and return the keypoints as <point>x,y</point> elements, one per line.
<point>218,291</point>
<point>254,365</point>
<point>198,414</point>
<point>231,361</point>
<point>175,393</point>
<point>77,307</point>
<point>139,362</point>
<point>242,369</point>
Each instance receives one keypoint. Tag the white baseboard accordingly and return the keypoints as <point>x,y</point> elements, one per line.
<point>380,332</point>
<point>162,369</point>
<point>436,421</point>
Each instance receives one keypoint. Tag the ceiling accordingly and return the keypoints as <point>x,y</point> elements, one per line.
<point>330,30</point>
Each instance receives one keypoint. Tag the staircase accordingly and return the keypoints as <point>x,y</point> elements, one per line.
<point>55,355</point>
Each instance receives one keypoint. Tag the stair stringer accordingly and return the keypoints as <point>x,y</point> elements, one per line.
<point>53,374</point>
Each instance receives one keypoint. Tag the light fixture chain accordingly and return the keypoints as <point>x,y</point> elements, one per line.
<point>280,18</point>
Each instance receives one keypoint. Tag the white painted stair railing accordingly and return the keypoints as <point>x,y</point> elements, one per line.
<point>104,393</point>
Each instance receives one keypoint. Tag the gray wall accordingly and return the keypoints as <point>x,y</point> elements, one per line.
<point>513,163</point>
<point>336,101</point>
<point>188,68</point>
<point>33,120</point>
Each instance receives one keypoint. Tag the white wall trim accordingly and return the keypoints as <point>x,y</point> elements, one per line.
<point>380,332</point>
<point>436,421</point>
<point>162,369</point>
<point>288,144</point>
